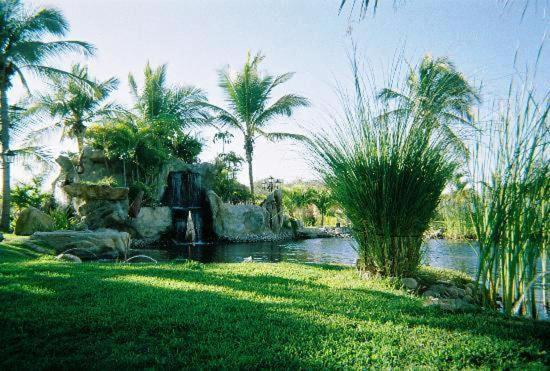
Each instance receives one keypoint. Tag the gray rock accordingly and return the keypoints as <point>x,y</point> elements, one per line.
<point>409,283</point>
<point>312,232</point>
<point>452,305</point>
<point>151,222</point>
<point>234,221</point>
<point>69,258</point>
<point>32,220</point>
<point>101,243</point>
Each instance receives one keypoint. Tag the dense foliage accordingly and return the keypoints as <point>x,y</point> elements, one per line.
<point>155,131</point>
<point>26,45</point>
<point>225,184</point>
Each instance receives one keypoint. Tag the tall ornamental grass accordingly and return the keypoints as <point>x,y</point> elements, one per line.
<point>387,170</point>
<point>510,174</point>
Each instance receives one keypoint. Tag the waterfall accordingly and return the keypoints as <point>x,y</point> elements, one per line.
<point>186,196</point>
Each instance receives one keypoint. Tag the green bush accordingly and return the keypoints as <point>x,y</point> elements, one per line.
<point>30,194</point>
<point>225,184</point>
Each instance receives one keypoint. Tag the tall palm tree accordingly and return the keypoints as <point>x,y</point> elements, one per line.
<point>78,101</point>
<point>22,48</point>
<point>248,94</point>
<point>437,96</point>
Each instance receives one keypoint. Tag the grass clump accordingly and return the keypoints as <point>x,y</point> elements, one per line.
<point>509,209</point>
<point>170,315</point>
<point>386,165</point>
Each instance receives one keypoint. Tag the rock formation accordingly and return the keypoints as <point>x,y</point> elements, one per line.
<point>247,223</point>
<point>99,206</point>
<point>103,243</point>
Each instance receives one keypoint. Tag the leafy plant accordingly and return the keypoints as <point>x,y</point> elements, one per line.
<point>30,194</point>
<point>226,185</point>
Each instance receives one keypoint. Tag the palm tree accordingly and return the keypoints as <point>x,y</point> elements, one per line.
<point>169,107</point>
<point>77,102</point>
<point>22,48</point>
<point>437,96</point>
<point>24,145</point>
<point>248,93</point>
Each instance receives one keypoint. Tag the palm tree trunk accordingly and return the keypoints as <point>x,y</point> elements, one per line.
<point>80,142</point>
<point>249,148</point>
<point>5,139</point>
<point>250,176</point>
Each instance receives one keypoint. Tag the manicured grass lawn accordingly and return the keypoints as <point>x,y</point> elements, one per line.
<point>189,315</point>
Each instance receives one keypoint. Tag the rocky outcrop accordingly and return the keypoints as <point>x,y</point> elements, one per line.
<point>151,222</point>
<point>32,220</point>
<point>99,206</point>
<point>96,191</point>
<point>273,204</point>
<point>246,223</point>
<point>103,243</point>
<point>91,166</point>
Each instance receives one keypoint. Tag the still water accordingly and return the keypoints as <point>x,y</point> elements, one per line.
<point>438,253</point>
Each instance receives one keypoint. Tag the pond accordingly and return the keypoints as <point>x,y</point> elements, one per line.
<point>438,253</point>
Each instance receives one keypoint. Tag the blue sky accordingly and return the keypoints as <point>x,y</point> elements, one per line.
<point>197,38</point>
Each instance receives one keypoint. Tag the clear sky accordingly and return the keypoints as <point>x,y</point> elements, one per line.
<point>197,38</point>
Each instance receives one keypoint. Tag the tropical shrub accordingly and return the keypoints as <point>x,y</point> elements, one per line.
<point>225,184</point>
<point>387,169</point>
<point>509,208</point>
<point>30,194</point>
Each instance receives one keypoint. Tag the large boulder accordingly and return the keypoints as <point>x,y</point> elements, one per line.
<point>232,222</point>
<point>151,222</point>
<point>103,243</point>
<point>248,223</point>
<point>32,220</point>
<point>99,206</point>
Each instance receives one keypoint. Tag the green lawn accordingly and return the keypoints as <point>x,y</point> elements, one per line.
<point>101,316</point>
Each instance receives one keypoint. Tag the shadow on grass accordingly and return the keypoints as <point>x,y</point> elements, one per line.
<point>233,316</point>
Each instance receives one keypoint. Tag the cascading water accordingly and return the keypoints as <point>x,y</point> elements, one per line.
<point>185,195</point>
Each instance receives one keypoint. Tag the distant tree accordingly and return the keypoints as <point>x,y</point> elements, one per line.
<point>77,102</point>
<point>322,199</point>
<point>248,94</point>
<point>223,136</point>
<point>438,96</point>
<point>23,48</point>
